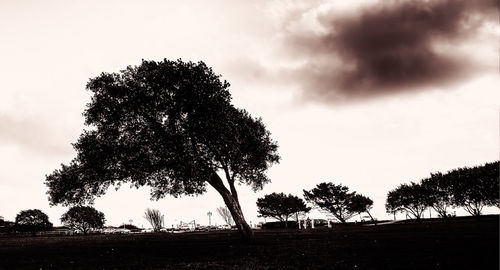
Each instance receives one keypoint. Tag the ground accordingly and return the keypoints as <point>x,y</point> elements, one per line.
<point>458,244</point>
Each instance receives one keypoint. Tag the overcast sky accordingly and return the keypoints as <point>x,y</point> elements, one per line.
<point>369,94</point>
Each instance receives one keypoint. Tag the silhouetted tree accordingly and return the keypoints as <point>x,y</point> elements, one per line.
<point>410,198</point>
<point>155,218</point>
<point>438,193</point>
<point>476,187</point>
<point>33,221</point>
<point>298,207</point>
<point>281,206</point>
<point>83,218</point>
<point>333,198</point>
<point>361,204</point>
<point>168,125</point>
<point>225,214</point>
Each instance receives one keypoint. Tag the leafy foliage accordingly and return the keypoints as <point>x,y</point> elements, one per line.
<point>33,221</point>
<point>438,191</point>
<point>470,187</point>
<point>409,198</point>
<point>155,218</point>
<point>337,200</point>
<point>361,204</point>
<point>476,187</point>
<point>281,206</point>
<point>168,125</point>
<point>83,218</point>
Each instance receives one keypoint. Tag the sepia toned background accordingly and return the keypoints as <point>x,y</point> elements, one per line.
<point>369,94</point>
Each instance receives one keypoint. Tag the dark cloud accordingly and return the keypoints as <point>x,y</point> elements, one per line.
<point>389,48</point>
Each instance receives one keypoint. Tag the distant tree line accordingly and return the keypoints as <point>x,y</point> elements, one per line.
<point>334,199</point>
<point>472,188</point>
<point>77,218</point>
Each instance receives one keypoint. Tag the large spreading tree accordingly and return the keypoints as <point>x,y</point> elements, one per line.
<point>169,125</point>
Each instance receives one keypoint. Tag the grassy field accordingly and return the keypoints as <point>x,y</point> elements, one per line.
<point>459,244</point>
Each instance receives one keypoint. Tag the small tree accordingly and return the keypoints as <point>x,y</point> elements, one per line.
<point>332,198</point>
<point>83,218</point>
<point>361,204</point>
<point>281,206</point>
<point>33,221</point>
<point>225,214</point>
<point>410,198</point>
<point>155,218</point>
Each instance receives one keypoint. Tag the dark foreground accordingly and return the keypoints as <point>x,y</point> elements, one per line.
<point>460,244</point>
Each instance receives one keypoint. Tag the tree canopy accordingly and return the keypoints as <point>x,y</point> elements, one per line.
<point>281,206</point>
<point>337,200</point>
<point>83,218</point>
<point>475,187</point>
<point>361,204</point>
<point>169,125</point>
<point>470,187</point>
<point>438,190</point>
<point>411,198</point>
<point>33,221</point>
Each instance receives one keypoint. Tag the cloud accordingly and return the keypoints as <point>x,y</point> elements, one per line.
<point>387,48</point>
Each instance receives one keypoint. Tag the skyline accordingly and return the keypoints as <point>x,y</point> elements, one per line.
<point>283,66</point>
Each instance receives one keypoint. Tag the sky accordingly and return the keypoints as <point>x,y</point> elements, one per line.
<point>368,94</point>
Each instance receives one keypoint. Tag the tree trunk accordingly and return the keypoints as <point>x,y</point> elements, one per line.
<point>233,205</point>
<point>373,220</point>
<point>342,220</point>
